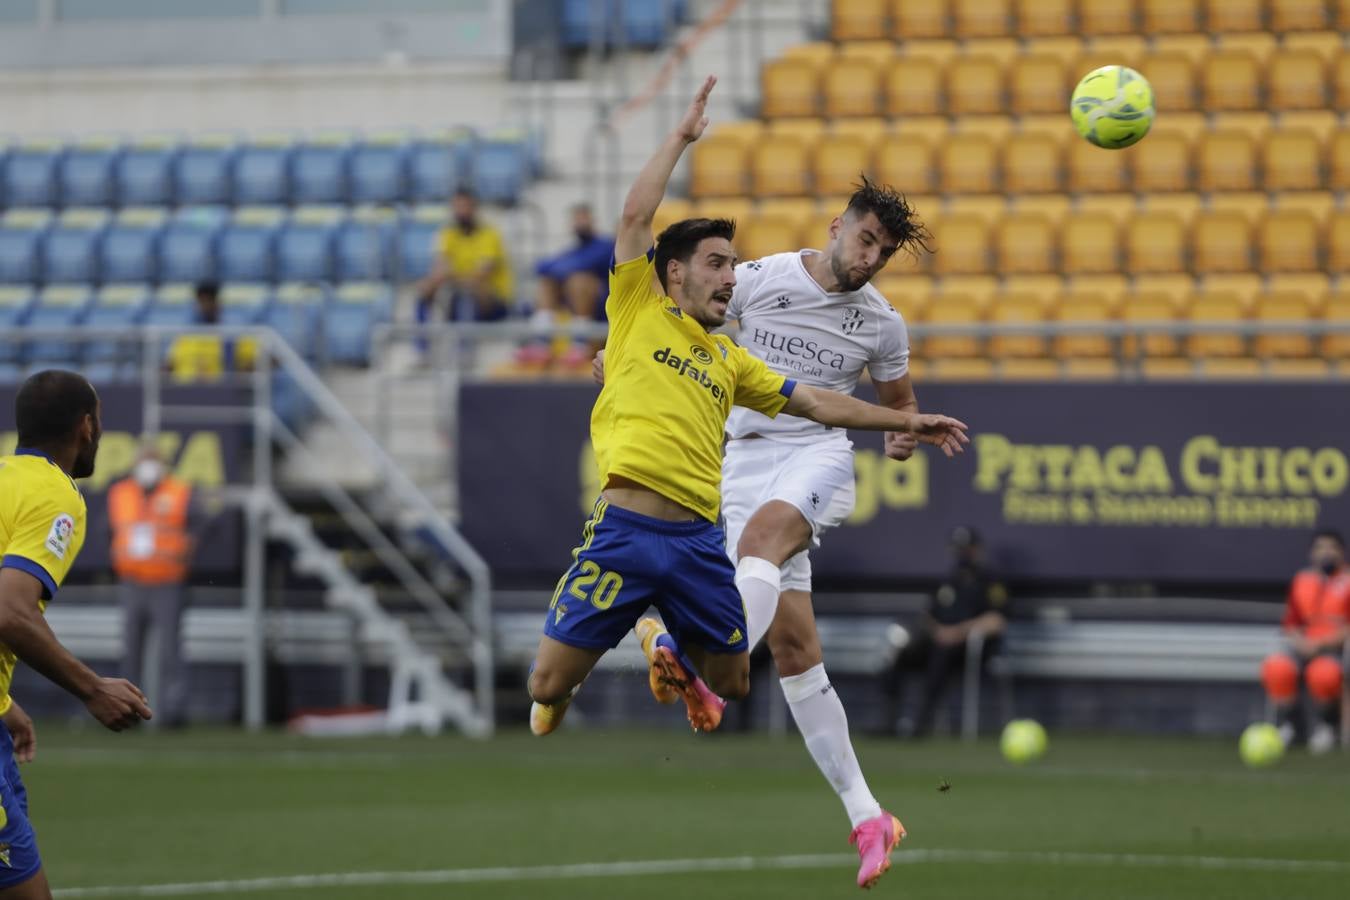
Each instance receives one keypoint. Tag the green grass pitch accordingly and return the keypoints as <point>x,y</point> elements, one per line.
<point>1098,818</point>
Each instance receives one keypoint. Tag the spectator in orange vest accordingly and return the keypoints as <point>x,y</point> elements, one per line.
<point>151,549</point>
<point>1316,625</point>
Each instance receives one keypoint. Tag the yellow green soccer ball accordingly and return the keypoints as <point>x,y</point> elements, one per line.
<point>1023,741</point>
<point>1112,107</point>
<point>1260,745</point>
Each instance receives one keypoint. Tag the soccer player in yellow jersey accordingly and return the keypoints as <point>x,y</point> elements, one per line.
<point>657,432</point>
<point>42,527</point>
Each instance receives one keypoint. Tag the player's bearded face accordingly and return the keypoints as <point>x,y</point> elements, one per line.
<point>861,250</point>
<point>709,279</point>
<point>84,459</point>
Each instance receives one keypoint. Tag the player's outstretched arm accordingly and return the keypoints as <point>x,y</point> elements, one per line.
<point>115,702</point>
<point>634,236</point>
<point>842,411</point>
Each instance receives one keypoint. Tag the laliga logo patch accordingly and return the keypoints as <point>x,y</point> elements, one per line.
<point>853,319</point>
<point>701,355</point>
<point>58,538</point>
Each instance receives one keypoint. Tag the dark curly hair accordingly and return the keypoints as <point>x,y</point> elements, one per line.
<point>893,212</point>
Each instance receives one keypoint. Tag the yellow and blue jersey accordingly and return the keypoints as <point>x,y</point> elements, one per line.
<point>669,387</point>
<point>42,528</point>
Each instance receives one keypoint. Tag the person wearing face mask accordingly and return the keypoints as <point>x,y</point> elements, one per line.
<point>469,258</point>
<point>149,512</point>
<point>573,284</point>
<point>1315,628</point>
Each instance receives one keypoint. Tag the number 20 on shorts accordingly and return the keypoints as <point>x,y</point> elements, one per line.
<point>596,586</point>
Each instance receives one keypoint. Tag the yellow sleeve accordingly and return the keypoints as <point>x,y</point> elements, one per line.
<point>47,538</point>
<point>757,386</point>
<point>630,286</point>
<point>501,277</point>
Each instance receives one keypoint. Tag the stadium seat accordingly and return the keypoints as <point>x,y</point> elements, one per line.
<point>1292,161</point>
<point>1038,85</point>
<point>937,53</point>
<point>837,164</point>
<point>1321,123</point>
<point>1252,206</point>
<point>361,245</point>
<point>116,306</point>
<point>84,172</point>
<point>247,246</point>
<point>1234,15</point>
<point>70,252</point>
<point>129,249</point>
<point>1220,242</point>
<point>1255,125</point>
<point>1088,245</point>
<point>1115,208</point>
<point>859,20</point>
<point>969,165</point>
<point>737,209</point>
<point>143,171</point>
<point>1334,345</point>
<point>21,234</point>
<point>909,294</point>
<point>807,132</point>
<point>982,18</point>
<point>764,235</point>
<point>1176,287</point>
<point>671,210</point>
<point>1284,307</point>
<point>438,164</point>
<point>305,244</point>
<point>988,208</point>
<point>1194,48</point>
<point>961,245</point>
<point>172,306</point>
<point>350,319</point>
<point>187,247</point>
<point>1025,244</point>
<point>1149,308</point>
<point>913,88</point>
<point>1325,45</point>
<point>1246,286</point>
<point>1109,50</point>
<point>1053,207</point>
<point>907,163</point>
<point>1215,307</point>
<point>500,167</point>
<point>1232,81</point>
<point>1338,243</point>
<point>294,313</point>
<point>262,170</point>
<point>1106,17</point>
<point>1017,309</point>
<point>15,304</point>
<point>780,169</point>
<point>1170,17</point>
<point>718,167</point>
<point>1081,307</point>
<point>1031,164</point>
<point>1339,162</point>
<point>1182,205</point>
<point>1155,243</point>
<point>201,170</point>
<point>816,54</point>
<point>1161,163</point>
<point>1172,77</point>
<point>803,212</point>
<point>1043,18</point>
<point>852,87</point>
<point>1092,169</point>
<point>1227,162</point>
<point>645,23</point>
<point>975,87</point>
<point>1297,80</point>
<point>919,20</point>
<point>955,306</point>
<point>378,168</point>
<point>1298,15</point>
<point>416,238</point>
<point>1260,45</point>
<point>1314,286</point>
<point>57,307</point>
<point>319,168</point>
<point>243,304</point>
<point>790,87</point>
<point>30,173</point>
<point>1289,243</point>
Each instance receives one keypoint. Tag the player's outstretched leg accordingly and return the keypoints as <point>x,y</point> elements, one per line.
<point>555,678</point>
<point>671,677</point>
<point>875,839</point>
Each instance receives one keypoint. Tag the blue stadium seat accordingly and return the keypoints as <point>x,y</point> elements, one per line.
<point>379,168</point>
<point>363,242</point>
<point>21,234</point>
<point>247,247</point>
<point>15,304</point>
<point>118,306</point>
<point>305,245</point>
<point>143,174</point>
<point>130,247</point>
<point>438,163</point>
<point>201,170</point>
<point>635,23</point>
<point>501,164</point>
<point>356,308</point>
<point>173,305</point>
<point>416,241</point>
<point>30,173</point>
<point>84,173</point>
<point>187,247</point>
<point>290,403</point>
<point>319,169</point>
<point>70,253</point>
<point>62,306</point>
<point>104,373</point>
<point>295,314</point>
<point>244,304</point>
<point>262,170</point>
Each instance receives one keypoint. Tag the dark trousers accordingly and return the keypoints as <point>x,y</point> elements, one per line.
<point>937,662</point>
<point>157,608</point>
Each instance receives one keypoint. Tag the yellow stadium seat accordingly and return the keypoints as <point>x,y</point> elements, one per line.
<point>1118,208</point>
<point>807,132</point>
<point>1221,242</point>
<point>737,209</point>
<point>1318,204</point>
<point>1292,161</point>
<point>1161,163</point>
<point>1342,15</point>
<point>913,88</point>
<point>1031,164</point>
<point>961,246</point>
<point>1053,207</point>
<point>870,131</point>
<point>1149,308</point>
<point>960,369</point>
<point>1106,17</point>
<point>969,165</point>
<point>1079,309</point>
<point>1315,287</point>
<point>780,169</point>
<point>671,210</point>
<point>717,168</point>
<point>1337,345</point>
<point>1340,79</point>
<point>879,53</point>
<point>1109,51</point>
<point>1066,47</point>
<point>1191,125</point>
<point>1176,287</point>
<point>852,87</point>
<point>1227,162</point>
<point>975,87</point>
<point>1181,205</point>
<point>801,210</point>
<point>1320,123</point>
<point>919,20</point>
<point>1044,18</point>
<point>1297,80</point>
<point>1167,369</point>
<point>1216,308</point>
<point>1021,369</point>
<point>933,129</point>
<point>1284,307</point>
<point>1091,369</point>
<point>1017,309</point>
<point>1252,206</point>
<point>1298,15</point>
<point>981,18</point>
<point>817,54</point>
<point>982,288</point>
<point>1112,287</point>
<point>1050,288</point>
<point>951,309</point>
<point>1096,170</point>
<point>1173,79</point>
<point>988,208</point>
<point>909,294</point>
<point>994,128</point>
<point>1338,244</point>
<point>857,20</point>
<point>1088,245</point>
<point>747,132</point>
<point>1171,16</point>
<point>1339,162</point>
<point>1047,126</point>
<point>1234,367</point>
<point>1195,47</point>
<point>1326,45</point>
<point>791,87</point>
<point>765,235</point>
<point>1233,15</point>
<point>1003,50</point>
<point>1025,245</point>
<point>1155,242</point>
<point>905,162</point>
<point>1246,286</point>
<point>1038,85</point>
<point>1298,369</point>
<point>937,52</point>
<point>1232,80</point>
<point>839,162</point>
<point>1260,44</point>
<point>1256,125</point>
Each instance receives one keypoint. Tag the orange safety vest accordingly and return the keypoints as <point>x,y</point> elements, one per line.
<point>1319,605</point>
<point>150,540</point>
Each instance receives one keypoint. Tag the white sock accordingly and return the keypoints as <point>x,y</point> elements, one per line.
<point>757,580</point>
<point>820,718</point>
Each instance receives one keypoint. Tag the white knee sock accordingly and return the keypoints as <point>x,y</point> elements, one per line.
<point>757,580</point>
<point>824,726</point>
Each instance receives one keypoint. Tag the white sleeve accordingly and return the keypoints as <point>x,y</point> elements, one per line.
<point>891,361</point>
<point>748,274</point>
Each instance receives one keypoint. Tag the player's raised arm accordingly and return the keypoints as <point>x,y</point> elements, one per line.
<point>634,235</point>
<point>842,411</point>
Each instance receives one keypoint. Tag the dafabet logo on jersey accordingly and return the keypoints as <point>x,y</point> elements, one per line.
<point>684,365</point>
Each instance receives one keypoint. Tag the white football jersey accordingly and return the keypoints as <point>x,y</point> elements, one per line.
<point>825,340</point>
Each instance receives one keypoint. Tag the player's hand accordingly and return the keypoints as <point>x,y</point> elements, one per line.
<point>900,445</point>
<point>695,118</point>
<point>117,703</point>
<point>598,368</point>
<point>22,732</point>
<point>943,432</point>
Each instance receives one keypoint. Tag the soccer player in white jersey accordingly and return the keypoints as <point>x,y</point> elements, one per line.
<point>815,317</point>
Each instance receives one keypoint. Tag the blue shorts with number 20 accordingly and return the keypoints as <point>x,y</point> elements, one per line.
<point>628,562</point>
<point>19,859</point>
